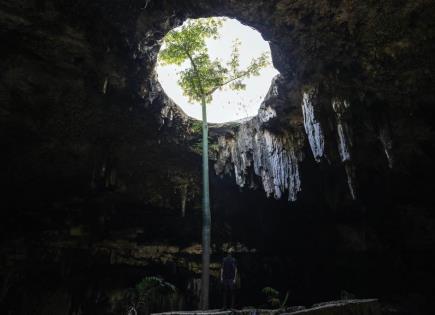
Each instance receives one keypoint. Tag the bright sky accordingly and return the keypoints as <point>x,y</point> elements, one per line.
<point>227,105</point>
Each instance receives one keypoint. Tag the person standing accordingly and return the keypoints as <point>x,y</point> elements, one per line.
<point>228,278</point>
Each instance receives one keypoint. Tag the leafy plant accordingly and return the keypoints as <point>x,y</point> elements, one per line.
<point>151,285</point>
<point>147,292</point>
<point>273,297</point>
<point>196,126</point>
<point>213,148</point>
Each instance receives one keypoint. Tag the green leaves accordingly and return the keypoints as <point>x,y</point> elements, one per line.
<point>273,297</point>
<point>205,76</point>
<point>188,40</point>
<point>270,292</point>
<point>151,285</point>
<point>237,75</point>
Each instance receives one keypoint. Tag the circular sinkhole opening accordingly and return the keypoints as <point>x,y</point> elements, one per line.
<point>236,100</point>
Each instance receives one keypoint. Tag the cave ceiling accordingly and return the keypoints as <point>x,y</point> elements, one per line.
<point>82,110</point>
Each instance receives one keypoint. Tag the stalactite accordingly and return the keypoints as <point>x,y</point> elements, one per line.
<point>146,4</point>
<point>343,146</point>
<point>344,134</point>
<point>387,143</point>
<point>344,140</point>
<point>104,89</point>
<point>350,173</point>
<point>312,126</point>
<point>274,158</point>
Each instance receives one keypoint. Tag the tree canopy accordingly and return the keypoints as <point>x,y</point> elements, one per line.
<point>204,76</point>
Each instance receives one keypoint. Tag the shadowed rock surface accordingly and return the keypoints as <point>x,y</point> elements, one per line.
<point>101,170</point>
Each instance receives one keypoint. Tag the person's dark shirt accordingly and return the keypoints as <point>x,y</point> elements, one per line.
<point>229,268</point>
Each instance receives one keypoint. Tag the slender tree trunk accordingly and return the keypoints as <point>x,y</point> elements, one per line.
<point>206,217</point>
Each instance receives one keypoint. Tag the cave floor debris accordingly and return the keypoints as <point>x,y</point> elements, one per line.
<point>342,307</point>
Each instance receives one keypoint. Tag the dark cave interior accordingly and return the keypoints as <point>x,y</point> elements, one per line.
<point>97,161</point>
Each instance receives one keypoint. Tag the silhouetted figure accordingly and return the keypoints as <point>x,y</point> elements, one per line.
<point>228,278</point>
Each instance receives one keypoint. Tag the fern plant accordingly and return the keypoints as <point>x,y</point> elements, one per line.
<point>147,292</point>
<point>273,297</point>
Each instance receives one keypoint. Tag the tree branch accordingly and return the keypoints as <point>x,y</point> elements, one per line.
<point>227,82</point>
<point>195,69</point>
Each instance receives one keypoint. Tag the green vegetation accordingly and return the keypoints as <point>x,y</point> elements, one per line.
<point>199,81</point>
<point>204,76</point>
<point>213,148</point>
<point>273,298</point>
<point>148,292</point>
<point>196,126</point>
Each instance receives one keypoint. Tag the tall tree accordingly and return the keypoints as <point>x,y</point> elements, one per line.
<point>199,80</point>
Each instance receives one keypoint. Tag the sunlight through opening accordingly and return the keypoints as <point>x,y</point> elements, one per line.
<point>227,105</point>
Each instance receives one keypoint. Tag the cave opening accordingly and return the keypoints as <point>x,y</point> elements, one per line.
<point>228,104</point>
